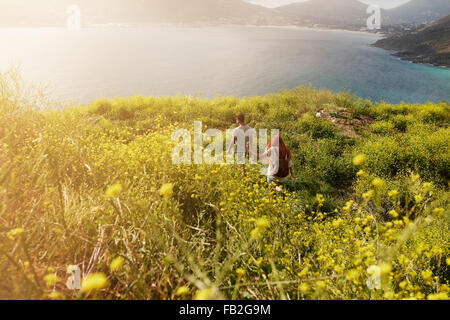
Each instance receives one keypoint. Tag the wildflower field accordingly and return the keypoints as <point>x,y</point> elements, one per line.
<point>93,187</point>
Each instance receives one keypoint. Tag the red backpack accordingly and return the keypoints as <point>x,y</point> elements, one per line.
<point>283,168</point>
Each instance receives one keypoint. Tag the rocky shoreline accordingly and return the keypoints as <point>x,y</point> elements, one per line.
<point>436,61</point>
<point>428,45</point>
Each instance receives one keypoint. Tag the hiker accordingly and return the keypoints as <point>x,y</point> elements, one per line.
<point>243,138</point>
<point>280,168</point>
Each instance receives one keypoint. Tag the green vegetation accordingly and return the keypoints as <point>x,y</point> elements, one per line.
<point>430,44</point>
<point>95,187</point>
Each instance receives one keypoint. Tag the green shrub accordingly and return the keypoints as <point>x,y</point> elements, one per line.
<point>430,155</point>
<point>316,128</point>
<point>124,113</point>
<point>386,155</point>
<point>425,152</point>
<point>401,122</point>
<point>101,107</point>
<point>438,114</point>
<point>383,127</point>
<point>326,160</point>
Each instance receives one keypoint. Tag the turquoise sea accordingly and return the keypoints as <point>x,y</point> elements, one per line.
<point>244,61</point>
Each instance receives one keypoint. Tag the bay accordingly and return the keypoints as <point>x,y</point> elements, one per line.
<point>84,65</point>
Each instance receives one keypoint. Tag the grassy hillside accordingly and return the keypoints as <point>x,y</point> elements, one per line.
<point>95,187</point>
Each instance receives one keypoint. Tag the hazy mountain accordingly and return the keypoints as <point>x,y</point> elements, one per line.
<point>430,44</point>
<point>328,13</point>
<point>29,12</point>
<point>418,11</point>
<point>352,13</point>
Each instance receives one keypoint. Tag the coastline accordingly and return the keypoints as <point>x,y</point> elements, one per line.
<point>311,28</point>
<point>413,58</point>
<point>193,25</point>
<point>420,60</point>
<point>426,45</point>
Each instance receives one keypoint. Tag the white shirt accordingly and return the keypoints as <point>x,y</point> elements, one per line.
<point>243,131</point>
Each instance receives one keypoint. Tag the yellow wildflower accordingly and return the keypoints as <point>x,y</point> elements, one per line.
<point>393,213</point>
<point>263,223</point>
<point>385,269</point>
<point>240,272</point>
<point>304,272</point>
<point>427,275</point>
<point>321,284</point>
<point>427,186</point>
<point>116,264</point>
<point>166,190</point>
<point>359,160</point>
<point>403,284</point>
<point>55,295</point>
<point>114,191</point>
<point>320,198</point>
<point>353,275</point>
<point>259,261</point>
<point>182,291</point>
<point>15,233</point>
<point>368,195</point>
<point>94,282</point>
<point>204,294</point>
<point>389,295</point>
<point>378,183</point>
<point>393,193</point>
<point>438,296</point>
<point>304,288</point>
<point>256,234</point>
<point>51,279</point>
<point>337,223</point>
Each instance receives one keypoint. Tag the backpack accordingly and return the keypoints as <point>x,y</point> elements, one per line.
<point>283,169</point>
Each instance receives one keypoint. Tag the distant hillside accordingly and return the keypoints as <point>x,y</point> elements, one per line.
<point>347,14</point>
<point>53,12</point>
<point>428,45</point>
<point>417,11</point>
<point>353,14</point>
<point>338,14</point>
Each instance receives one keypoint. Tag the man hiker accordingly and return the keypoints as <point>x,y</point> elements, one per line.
<point>243,138</point>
